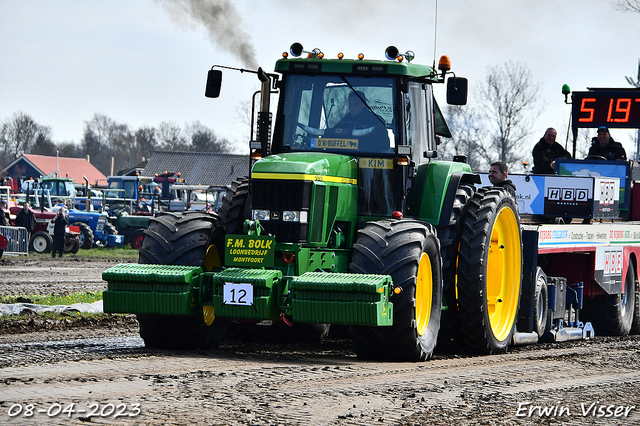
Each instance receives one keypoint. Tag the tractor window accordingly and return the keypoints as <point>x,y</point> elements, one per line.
<point>129,187</point>
<point>347,115</point>
<point>419,119</point>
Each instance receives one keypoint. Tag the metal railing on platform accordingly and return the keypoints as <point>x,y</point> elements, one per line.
<point>18,240</point>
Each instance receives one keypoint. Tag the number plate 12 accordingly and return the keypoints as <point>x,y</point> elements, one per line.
<point>238,294</point>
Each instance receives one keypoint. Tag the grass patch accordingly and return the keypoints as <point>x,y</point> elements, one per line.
<point>54,299</point>
<point>119,253</point>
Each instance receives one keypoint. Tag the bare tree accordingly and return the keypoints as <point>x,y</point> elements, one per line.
<point>467,133</point>
<point>146,142</point>
<point>104,139</point>
<point>627,5</point>
<point>509,105</point>
<point>19,134</point>
<point>170,137</point>
<point>203,139</point>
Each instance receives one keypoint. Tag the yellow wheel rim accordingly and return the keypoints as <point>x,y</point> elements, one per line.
<point>424,294</point>
<point>209,315</point>
<point>212,258</point>
<point>504,263</point>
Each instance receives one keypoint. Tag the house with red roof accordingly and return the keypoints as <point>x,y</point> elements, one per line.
<point>33,166</point>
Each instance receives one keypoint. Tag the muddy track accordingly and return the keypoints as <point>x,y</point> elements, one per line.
<point>104,368</point>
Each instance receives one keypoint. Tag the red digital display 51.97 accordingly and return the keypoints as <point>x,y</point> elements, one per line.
<point>620,108</point>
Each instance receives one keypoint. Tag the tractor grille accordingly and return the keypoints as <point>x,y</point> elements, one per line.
<point>279,195</point>
<point>101,222</point>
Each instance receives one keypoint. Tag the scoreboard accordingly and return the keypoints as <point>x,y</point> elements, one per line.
<point>610,108</point>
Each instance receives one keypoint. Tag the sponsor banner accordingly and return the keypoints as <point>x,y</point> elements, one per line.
<point>588,235</point>
<point>249,251</point>
<point>551,195</point>
<point>596,168</point>
<point>564,196</point>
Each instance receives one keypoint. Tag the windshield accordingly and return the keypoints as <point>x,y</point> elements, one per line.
<point>349,115</point>
<point>59,188</point>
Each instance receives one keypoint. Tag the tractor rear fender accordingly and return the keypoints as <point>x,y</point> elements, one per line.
<point>435,185</point>
<point>455,180</point>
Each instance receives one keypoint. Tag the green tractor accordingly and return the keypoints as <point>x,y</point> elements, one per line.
<point>346,219</point>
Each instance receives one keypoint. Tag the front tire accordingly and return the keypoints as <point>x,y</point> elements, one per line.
<point>86,235</point>
<point>41,242</point>
<point>541,301</point>
<point>408,251</point>
<point>191,238</point>
<point>136,239</point>
<point>489,272</point>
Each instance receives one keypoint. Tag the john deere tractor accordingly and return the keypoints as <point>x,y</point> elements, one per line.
<point>346,219</point>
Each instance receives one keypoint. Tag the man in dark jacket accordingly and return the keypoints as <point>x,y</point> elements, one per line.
<point>546,151</point>
<point>3,218</point>
<point>498,176</point>
<point>26,218</point>
<point>60,223</point>
<point>603,145</point>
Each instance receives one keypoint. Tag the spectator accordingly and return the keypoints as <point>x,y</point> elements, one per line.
<point>603,145</point>
<point>3,218</point>
<point>60,223</point>
<point>546,151</point>
<point>26,218</point>
<point>498,176</point>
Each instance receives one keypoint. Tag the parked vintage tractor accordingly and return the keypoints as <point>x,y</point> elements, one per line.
<point>337,223</point>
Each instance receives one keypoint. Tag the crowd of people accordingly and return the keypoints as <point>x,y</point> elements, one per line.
<point>26,218</point>
<point>547,151</point>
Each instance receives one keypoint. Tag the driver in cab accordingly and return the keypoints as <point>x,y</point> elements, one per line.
<point>363,123</point>
<point>603,145</point>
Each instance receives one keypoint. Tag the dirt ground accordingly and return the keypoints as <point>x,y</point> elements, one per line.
<point>98,371</point>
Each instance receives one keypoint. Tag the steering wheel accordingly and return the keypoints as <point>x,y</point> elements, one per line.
<point>596,157</point>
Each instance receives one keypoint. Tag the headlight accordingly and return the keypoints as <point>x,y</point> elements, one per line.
<point>261,215</point>
<point>290,216</point>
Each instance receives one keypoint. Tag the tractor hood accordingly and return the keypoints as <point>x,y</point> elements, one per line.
<point>310,166</point>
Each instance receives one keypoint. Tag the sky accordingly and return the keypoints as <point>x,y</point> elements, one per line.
<point>144,62</point>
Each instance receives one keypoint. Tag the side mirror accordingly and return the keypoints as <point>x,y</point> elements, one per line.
<point>214,83</point>
<point>457,91</point>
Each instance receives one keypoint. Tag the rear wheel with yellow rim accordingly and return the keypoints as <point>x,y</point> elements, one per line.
<point>489,272</point>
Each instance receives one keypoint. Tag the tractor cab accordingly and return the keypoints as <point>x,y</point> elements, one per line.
<point>359,122</point>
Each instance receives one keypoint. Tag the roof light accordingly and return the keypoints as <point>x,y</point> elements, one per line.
<point>360,56</point>
<point>285,55</point>
<point>445,64</point>
<point>340,55</point>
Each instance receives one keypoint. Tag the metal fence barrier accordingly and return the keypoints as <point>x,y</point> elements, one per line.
<point>18,239</point>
